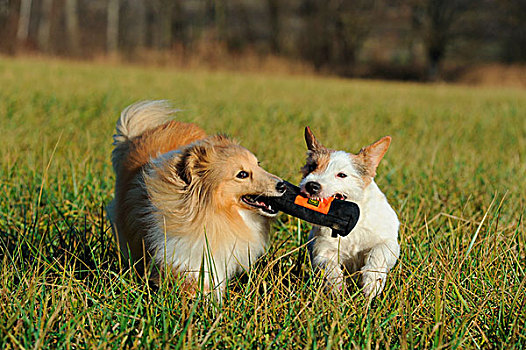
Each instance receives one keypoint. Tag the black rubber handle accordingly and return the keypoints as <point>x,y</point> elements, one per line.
<point>340,216</point>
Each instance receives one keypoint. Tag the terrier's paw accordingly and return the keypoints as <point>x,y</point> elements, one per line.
<point>335,284</point>
<point>332,275</point>
<point>373,281</point>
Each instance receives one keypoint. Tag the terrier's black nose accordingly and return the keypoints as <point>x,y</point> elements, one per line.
<point>312,187</point>
<point>281,187</point>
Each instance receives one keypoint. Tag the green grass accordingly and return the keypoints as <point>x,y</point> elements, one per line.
<point>455,174</point>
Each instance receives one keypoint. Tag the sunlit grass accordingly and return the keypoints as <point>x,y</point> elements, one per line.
<point>455,174</point>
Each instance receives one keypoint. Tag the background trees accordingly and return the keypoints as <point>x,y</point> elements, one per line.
<point>410,38</point>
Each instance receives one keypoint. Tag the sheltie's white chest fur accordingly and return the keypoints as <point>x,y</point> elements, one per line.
<point>223,249</point>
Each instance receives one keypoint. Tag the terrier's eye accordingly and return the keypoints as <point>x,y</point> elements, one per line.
<point>312,167</point>
<point>242,175</point>
<point>342,175</point>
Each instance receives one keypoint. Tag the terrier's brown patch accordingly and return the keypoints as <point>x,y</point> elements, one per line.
<point>318,156</point>
<point>367,160</point>
<point>317,161</point>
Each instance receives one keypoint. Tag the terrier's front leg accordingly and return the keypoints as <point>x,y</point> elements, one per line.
<point>331,271</point>
<point>326,259</point>
<point>380,260</point>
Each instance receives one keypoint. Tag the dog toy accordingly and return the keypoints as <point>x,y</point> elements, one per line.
<point>340,216</point>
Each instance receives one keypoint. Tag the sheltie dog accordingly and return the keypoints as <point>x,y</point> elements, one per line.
<point>372,246</point>
<point>191,204</point>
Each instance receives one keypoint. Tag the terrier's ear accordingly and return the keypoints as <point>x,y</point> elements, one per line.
<point>310,139</point>
<point>373,154</point>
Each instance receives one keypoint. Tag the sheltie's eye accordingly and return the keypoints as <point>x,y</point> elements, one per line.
<point>242,175</point>
<point>312,167</point>
<point>342,175</point>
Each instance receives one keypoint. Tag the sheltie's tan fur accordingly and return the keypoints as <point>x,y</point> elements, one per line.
<point>178,197</point>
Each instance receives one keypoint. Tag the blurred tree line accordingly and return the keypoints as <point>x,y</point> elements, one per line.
<point>404,39</point>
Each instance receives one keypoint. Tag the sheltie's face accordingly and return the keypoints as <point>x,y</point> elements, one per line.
<point>247,185</point>
<point>231,177</point>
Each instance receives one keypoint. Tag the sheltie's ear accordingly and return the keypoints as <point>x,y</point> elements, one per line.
<point>373,154</point>
<point>193,162</point>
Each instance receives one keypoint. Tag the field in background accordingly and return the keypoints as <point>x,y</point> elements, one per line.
<point>216,59</point>
<point>455,174</point>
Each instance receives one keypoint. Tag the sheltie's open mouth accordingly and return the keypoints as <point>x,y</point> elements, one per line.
<point>259,202</point>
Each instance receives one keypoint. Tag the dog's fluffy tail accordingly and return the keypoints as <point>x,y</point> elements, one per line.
<point>136,119</point>
<point>141,116</point>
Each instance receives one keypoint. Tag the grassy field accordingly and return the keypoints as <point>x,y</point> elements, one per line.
<point>455,174</point>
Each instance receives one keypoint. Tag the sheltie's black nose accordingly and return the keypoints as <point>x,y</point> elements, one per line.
<point>281,187</point>
<point>312,187</point>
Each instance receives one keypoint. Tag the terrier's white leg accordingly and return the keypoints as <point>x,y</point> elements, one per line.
<point>380,260</point>
<point>326,258</point>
